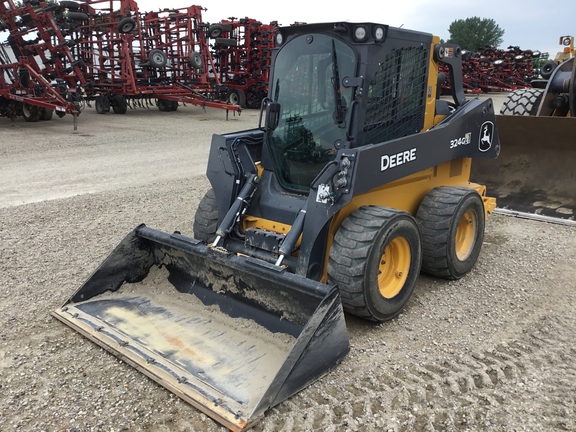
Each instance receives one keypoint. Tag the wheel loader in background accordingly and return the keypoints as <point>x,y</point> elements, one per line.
<point>536,171</point>
<point>355,180</point>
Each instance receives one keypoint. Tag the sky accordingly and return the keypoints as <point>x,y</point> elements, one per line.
<point>529,24</point>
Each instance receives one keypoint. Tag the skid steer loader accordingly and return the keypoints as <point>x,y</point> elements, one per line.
<point>356,179</point>
<point>536,171</point>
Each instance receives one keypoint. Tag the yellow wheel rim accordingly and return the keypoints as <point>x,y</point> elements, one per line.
<point>466,235</point>
<point>393,268</point>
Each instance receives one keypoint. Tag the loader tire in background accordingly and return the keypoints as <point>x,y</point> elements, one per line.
<point>547,68</point>
<point>523,102</point>
<point>375,261</point>
<point>206,218</point>
<point>451,221</point>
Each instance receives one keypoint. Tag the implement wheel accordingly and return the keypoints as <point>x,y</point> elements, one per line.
<point>165,105</point>
<point>120,105</point>
<point>31,113</point>
<point>102,104</point>
<point>236,97</point>
<point>157,58</point>
<point>206,218</point>
<point>452,224</point>
<point>126,25</point>
<point>46,114</point>
<point>375,261</point>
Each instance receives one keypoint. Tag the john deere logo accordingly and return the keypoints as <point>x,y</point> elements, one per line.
<point>486,134</point>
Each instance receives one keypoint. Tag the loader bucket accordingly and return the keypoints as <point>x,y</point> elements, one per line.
<point>536,169</point>
<point>231,335</point>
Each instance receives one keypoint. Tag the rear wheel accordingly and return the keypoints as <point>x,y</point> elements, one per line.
<point>524,102</point>
<point>375,261</point>
<point>206,218</point>
<point>452,224</point>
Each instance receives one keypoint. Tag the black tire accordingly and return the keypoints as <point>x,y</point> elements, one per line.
<point>451,221</point>
<point>71,5</point>
<point>375,261</point>
<point>46,114</point>
<point>31,113</point>
<point>523,102</point>
<point>126,25</point>
<point>215,31</point>
<point>102,104</point>
<point>157,58</point>
<point>236,97</point>
<point>196,60</point>
<point>173,106</point>
<point>77,16</point>
<point>206,218</point>
<point>547,69</point>
<point>164,105</point>
<point>120,106</point>
<point>226,42</point>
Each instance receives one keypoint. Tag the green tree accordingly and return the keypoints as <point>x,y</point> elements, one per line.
<point>475,32</point>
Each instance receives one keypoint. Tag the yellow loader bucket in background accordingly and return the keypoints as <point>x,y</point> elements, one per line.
<point>536,169</point>
<point>231,335</point>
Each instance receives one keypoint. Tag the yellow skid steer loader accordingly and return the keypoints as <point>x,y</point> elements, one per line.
<point>356,179</point>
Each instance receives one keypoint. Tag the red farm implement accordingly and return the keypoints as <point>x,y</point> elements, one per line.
<point>39,74</point>
<point>142,59</point>
<point>242,50</point>
<point>496,70</point>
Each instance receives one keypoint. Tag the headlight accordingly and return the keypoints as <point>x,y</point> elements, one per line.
<point>566,41</point>
<point>378,34</point>
<point>279,38</point>
<point>360,33</point>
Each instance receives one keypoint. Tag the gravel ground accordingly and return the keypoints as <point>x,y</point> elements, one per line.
<point>493,351</point>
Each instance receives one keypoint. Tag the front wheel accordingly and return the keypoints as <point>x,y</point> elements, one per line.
<point>452,224</point>
<point>375,261</point>
<point>206,218</point>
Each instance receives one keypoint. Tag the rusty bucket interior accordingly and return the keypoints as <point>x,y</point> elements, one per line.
<point>231,335</point>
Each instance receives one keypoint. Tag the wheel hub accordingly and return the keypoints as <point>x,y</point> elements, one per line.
<point>466,235</point>
<point>394,267</point>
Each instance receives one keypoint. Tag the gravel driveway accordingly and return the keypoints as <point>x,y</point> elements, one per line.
<point>494,351</point>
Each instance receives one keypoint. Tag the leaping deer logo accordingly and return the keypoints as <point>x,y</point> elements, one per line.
<point>486,137</point>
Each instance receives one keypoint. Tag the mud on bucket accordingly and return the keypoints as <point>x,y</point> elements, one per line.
<point>231,335</point>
